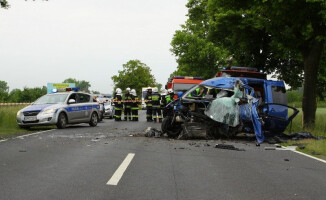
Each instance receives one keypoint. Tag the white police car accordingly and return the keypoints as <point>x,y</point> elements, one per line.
<point>60,109</point>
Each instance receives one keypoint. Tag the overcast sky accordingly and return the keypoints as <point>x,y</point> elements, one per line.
<point>49,41</point>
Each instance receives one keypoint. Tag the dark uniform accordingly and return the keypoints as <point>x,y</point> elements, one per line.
<point>134,108</point>
<point>156,102</point>
<point>148,99</point>
<point>118,107</point>
<point>163,104</point>
<point>127,105</point>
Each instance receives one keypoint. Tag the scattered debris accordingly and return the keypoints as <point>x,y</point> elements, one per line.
<point>22,150</point>
<point>152,132</point>
<point>270,148</point>
<point>181,148</point>
<point>131,135</point>
<point>207,145</point>
<point>286,159</point>
<point>228,147</point>
<point>278,146</point>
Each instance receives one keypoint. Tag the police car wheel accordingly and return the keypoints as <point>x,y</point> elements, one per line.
<point>94,119</point>
<point>62,121</point>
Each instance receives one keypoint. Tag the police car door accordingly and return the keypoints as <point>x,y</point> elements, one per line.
<point>275,111</point>
<point>85,107</point>
<point>72,108</point>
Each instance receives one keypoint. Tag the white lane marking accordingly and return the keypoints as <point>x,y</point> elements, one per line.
<point>293,149</point>
<point>22,136</point>
<point>114,180</point>
<point>3,140</point>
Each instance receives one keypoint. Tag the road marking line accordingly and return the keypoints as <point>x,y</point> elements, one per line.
<point>293,149</point>
<point>121,170</point>
<point>22,136</point>
<point>3,140</point>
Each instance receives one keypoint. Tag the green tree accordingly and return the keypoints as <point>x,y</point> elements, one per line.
<point>83,85</point>
<point>196,54</point>
<point>134,74</point>
<point>4,4</point>
<point>4,86</point>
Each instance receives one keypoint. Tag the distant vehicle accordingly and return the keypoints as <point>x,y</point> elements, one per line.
<point>257,101</point>
<point>109,109</point>
<point>182,83</point>
<point>144,93</point>
<point>105,107</point>
<point>60,109</point>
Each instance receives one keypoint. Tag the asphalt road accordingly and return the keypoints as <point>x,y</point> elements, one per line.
<point>78,162</point>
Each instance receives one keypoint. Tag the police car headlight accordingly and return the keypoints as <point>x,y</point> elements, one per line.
<point>18,113</point>
<point>49,111</point>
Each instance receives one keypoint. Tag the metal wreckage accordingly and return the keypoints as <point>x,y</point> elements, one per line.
<point>238,100</point>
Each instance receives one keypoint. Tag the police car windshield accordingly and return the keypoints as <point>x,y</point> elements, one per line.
<point>51,99</point>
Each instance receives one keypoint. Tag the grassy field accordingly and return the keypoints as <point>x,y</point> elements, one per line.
<point>8,124</point>
<point>310,146</point>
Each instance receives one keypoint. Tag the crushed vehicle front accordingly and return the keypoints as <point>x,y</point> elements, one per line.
<point>255,106</point>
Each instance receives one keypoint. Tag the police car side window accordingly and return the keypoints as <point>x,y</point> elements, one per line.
<point>83,98</point>
<point>73,96</point>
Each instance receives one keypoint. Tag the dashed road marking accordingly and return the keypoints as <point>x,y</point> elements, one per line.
<point>114,180</point>
<point>22,136</point>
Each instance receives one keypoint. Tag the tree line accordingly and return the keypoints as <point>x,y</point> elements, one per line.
<point>28,95</point>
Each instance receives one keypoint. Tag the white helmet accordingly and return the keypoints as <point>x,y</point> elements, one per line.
<point>128,89</point>
<point>170,91</point>
<point>133,92</point>
<point>155,89</point>
<point>149,88</point>
<point>118,91</point>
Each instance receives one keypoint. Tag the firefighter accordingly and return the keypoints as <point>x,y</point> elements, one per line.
<point>148,99</point>
<point>118,104</point>
<point>127,105</point>
<point>169,97</point>
<point>134,105</point>
<point>163,101</point>
<point>156,103</point>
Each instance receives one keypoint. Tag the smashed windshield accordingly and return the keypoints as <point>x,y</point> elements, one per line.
<point>51,99</point>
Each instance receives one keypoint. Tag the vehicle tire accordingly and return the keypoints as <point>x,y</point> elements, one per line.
<point>62,121</point>
<point>172,129</point>
<point>94,119</point>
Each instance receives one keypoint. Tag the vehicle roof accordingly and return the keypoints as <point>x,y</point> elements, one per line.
<point>228,82</point>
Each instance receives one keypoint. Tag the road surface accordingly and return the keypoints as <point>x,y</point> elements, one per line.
<point>115,161</point>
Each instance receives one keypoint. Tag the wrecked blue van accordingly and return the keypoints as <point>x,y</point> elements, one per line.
<point>237,100</point>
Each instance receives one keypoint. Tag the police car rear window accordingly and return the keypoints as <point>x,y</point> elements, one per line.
<point>83,98</point>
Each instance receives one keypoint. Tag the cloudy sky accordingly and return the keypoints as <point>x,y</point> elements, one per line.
<point>49,41</point>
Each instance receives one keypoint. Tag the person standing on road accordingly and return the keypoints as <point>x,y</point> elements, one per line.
<point>169,97</point>
<point>163,102</point>
<point>148,99</point>
<point>156,102</point>
<point>118,104</point>
<point>134,105</point>
<point>127,104</point>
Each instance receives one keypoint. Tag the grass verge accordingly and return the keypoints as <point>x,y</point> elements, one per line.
<point>310,146</point>
<point>8,124</point>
